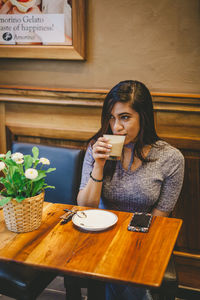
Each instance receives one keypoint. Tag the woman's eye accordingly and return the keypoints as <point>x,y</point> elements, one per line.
<point>125,117</point>
<point>111,118</point>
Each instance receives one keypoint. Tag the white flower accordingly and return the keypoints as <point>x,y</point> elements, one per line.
<point>19,161</point>
<point>2,165</point>
<point>2,155</point>
<point>18,157</point>
<point>44,161</point>
<point>31,173</point>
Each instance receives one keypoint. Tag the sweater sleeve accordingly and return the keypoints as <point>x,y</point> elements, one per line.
<point>87,167</point>
<point>172,183</point>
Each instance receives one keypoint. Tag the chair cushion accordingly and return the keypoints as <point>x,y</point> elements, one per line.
<point>66,178</point>
<point>22,282</point>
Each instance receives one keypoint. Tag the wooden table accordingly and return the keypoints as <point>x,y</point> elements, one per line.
<point>115,255</point>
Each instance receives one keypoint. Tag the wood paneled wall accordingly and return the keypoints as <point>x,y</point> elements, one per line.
<point>66,117</point>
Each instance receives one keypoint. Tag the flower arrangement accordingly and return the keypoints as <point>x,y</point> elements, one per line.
<point>23,175</point>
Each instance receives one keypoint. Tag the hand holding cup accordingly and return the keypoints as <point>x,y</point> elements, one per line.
<point>101,150</point>
<point>117,142</point>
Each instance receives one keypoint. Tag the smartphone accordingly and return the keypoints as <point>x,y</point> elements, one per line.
<point>140,222</point>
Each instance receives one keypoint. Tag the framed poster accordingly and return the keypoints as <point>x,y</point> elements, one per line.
<point>42,29</point>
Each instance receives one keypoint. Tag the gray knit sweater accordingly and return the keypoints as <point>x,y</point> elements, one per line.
<point>155,184</point>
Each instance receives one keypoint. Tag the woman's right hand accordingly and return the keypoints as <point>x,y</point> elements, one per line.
<point>90,195</point>
<point>101,150</point>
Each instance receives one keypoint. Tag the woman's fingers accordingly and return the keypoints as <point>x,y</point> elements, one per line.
<point>101,156</point>
<point>101,148</point>
<point>103,142</point>
<point>100,152</point>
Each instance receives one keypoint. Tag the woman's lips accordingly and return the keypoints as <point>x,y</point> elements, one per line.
<point>119,133</point>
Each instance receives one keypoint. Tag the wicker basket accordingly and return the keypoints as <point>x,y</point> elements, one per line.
<point>24,216</point>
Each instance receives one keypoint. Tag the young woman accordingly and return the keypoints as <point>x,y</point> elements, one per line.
<point>149,176</point>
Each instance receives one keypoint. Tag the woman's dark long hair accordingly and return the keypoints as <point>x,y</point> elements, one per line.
<point>139,97</point>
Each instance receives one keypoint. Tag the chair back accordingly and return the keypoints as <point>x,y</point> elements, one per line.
<point>66,177</point>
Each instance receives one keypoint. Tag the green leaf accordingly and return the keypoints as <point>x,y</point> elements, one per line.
<point>8,188</point>
<point>2,180</point>
<point>40,176</point>
<point>10,162</point>
<point>49,186</point>
<point>16,177</point>
<point>38,186</point>
<point>12,170</point>
<point>8,154</point>
<point>28,161</point>
<point>3,192</point>
<point>36,162</point>
<point>5,200</point>
<point>19,199</point>
<point>10,191</point>
<point>50,170</point>
<point>35,152</point>
<point>18,182</point>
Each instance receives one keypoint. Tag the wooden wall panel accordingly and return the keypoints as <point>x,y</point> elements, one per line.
<point>52,122</point>
<point>188,205</point>
<point>178,123</point>
<point>188,270</point>
<point>70,117</point>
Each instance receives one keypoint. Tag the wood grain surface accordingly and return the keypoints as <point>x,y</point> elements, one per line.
<point>115,255</point>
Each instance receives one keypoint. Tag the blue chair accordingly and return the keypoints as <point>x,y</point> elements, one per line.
<point>24,282</point>
<point>66,178</point>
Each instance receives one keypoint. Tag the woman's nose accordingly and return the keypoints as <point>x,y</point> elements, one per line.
<point>117,126</point>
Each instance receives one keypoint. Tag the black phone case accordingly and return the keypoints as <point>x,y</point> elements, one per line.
<point>138,228</point>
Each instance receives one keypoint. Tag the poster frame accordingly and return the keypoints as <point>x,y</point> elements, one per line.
<point>76,51</point>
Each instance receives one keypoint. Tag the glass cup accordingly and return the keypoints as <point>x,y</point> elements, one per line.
<point>117,142</point>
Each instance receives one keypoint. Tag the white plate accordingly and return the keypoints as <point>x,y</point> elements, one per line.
<point>96,220</point>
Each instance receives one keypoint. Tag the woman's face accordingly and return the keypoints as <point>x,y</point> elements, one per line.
<point>125,121</point>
